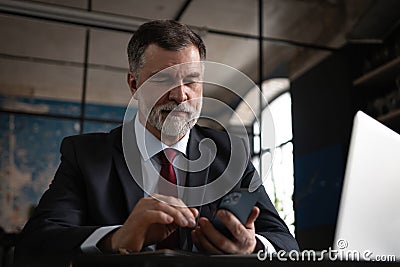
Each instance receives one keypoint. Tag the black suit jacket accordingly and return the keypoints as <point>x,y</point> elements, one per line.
<point>93,187</point>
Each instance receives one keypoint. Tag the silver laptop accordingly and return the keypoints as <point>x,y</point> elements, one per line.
<point>369,214</point>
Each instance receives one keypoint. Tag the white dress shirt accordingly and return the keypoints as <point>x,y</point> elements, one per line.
<point>149,146</point>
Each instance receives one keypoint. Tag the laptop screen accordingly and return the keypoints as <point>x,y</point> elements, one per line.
<point>369,216</point>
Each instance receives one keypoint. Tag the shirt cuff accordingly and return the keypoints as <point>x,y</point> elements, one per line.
<point>90,244</point>
<point>268,247</point>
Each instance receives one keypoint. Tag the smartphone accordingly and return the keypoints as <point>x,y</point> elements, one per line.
<point>240,203</point>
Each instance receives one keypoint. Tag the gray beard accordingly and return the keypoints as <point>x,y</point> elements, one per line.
<point>174,125</point>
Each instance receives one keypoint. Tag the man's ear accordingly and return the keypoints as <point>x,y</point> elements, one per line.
<point>132,83</point>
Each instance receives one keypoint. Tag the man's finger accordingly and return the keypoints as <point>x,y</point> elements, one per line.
<point>194,211</point>
<point>216,238</point>
<point>155,216</point>
<point>239,231</point>
<point>179,215</point>
<point>252,218</point>
<point>182,214</point>
<point>204,243</point>
<point>232,223</point>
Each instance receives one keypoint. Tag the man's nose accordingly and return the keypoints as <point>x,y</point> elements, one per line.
<point>178,93</point>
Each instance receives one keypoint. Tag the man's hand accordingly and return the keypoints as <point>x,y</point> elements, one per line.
<point>151,221</point>
<point>210,240</point>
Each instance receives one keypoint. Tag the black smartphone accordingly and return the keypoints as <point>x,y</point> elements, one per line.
<point>240,203</point>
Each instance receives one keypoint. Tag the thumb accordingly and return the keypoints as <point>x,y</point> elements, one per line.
<point>252,218</point>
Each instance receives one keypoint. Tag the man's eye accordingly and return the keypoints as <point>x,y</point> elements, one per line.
<point>161,80</point>
<point>191,80</point>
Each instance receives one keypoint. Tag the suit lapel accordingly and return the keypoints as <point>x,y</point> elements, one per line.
<point>193,178</point>
<point>196,179</point>
<point>132,190</point>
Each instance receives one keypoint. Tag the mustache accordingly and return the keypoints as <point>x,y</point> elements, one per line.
<point>182,107</point>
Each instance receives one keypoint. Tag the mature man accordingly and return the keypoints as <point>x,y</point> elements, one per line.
<point>95,202</point>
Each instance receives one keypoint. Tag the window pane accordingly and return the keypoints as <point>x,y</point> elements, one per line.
<point>279,181</point>
<point>281,110</point>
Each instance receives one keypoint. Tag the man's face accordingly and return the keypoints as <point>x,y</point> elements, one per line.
<point>169,95</point>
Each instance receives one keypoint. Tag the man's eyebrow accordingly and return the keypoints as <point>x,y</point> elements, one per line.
<point>155,72</point>
<point>162,74</point>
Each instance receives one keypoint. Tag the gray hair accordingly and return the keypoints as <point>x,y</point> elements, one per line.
<point>168,34</point>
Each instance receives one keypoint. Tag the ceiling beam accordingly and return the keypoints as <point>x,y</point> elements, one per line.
<point>274,40</point>
<point>70,15</point>
<point>118,22</point>
<point>182,10</point>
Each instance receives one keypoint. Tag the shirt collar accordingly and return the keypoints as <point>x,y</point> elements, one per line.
<point>149,145</point>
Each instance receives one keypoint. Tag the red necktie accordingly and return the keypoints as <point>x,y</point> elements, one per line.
<point>167,186</point>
